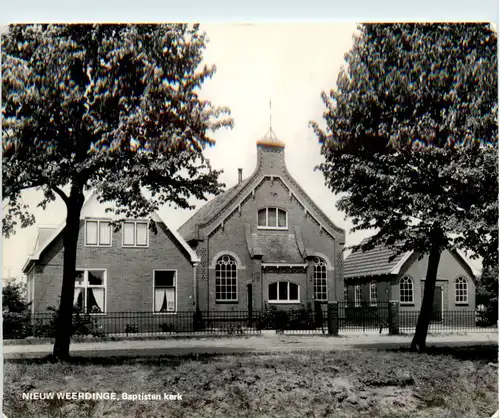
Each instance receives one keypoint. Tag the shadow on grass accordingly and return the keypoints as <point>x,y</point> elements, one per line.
<point>170,359</point>
<point>478,352</point>
<point>487,353</point>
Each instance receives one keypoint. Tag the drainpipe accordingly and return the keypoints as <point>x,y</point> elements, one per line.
<point>195,286</point>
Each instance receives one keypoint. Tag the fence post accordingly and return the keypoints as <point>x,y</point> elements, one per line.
<point>333,318</point>
<point>393,317</point>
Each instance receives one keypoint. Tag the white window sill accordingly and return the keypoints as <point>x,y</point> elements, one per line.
<point>165,313</point>
<point>284,302</point>
<point>273,228</point>
<point>98,245</point>
<point>135,246</point>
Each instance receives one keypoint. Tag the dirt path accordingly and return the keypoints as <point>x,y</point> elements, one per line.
<point>268,342</point>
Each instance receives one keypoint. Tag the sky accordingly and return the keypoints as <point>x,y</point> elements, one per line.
<point>288,64</point>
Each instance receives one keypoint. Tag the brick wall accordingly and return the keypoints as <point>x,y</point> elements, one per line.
<point>129,271</point>
<point>230,238</point>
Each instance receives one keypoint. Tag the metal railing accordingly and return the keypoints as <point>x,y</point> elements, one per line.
<point>448,321</point>
<point>345,317</point>
<point>130,324</point>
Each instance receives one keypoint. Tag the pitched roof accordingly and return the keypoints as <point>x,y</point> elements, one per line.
<point>373,262</point>
<point>46,235</point>
<point>189,229</point>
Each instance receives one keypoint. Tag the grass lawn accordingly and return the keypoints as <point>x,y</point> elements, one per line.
<point>453,383</point>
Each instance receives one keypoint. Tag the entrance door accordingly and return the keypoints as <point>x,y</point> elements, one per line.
<point>437,306</point>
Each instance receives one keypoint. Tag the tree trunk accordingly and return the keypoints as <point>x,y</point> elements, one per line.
<point>424,318</point>
<point>64,323</point>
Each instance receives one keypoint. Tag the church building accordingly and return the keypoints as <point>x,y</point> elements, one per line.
<point>264,242</point>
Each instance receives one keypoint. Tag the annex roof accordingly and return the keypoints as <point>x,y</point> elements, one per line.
<point>374,262</point>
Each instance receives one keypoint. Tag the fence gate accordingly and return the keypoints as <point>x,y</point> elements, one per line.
<point>363,316</point>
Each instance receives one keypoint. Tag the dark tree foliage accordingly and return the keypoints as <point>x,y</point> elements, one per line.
<point>411,142</point>
<point>110,108</point>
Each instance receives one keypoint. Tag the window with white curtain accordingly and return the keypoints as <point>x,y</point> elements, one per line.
<point>135,234</point>
<point>165,291</point>
<point>97,233</point>
<point>90,291</point>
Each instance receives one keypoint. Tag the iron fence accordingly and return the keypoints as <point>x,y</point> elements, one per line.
<point>341,317</point>
<point>136,324</point>
<point>363,316</point>
<point>448,321</point>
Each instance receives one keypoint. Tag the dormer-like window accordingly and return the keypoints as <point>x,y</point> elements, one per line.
<point>272,218</point>
<point>97,233</point>
<point>135,234</point>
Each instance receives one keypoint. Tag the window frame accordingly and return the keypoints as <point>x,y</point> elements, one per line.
<point>135,222</point>
<point>320,264</point>
<point>288,301</point>
<point>175,292</point>
<point>226,278</point>
<point>277,227</point>
<point>86,286</point>
<point>373,285</point>
<point>357,299</point>
<point>411,281</point>
<point>464,282</point>
<point>346,293</point>
<point>98,221</point>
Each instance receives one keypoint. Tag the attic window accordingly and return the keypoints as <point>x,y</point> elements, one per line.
<point>97,233</point>
<point>272,218</point>
<point>135,234</point>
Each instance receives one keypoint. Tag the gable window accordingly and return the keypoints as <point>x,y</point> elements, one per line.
<point>135,234</point>
<point>272,218</point>
<point>164,291</point>
<point>461,295</point>
<point>320,282</point>
<point>373,293</point>
<point>283,292</point>
<point>357,296</point>
<point>97,233</point>
<point>90,291</point>
<point>226,279</point>
<point>406,290</point>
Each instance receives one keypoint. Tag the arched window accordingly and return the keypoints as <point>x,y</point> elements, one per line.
<point>272,218</point>
<point>320,282</point>
<point>346,294</point>
<point>283,292</point>
<point>406,290</point>
<point>461,294</point>
<point>226,279</point>
<point>357,295</point>
<point>373,293</point>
